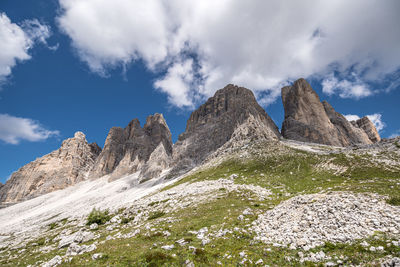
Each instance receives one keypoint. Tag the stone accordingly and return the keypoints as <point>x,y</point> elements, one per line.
<point>315,215</point>
<point>75,249</point>
<point>391,262</point>
<point>94,226</point>
<point>78,237</point>
<point>57,260</point>
<point>127,150</point>
<point>309,120</point>
<point>97,256</point>
<point>168,247</point>
<point>230,116</point>
<point>61,168</point>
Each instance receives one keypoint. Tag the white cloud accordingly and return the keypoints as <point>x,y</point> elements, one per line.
<point>257,44</point>
<point>352,117</point>
<point>395,134</point>
<point>177,83</point>
<point>16,41</point>
<point>346,89</point>
<point>375,118</point>
<point>14,129</point>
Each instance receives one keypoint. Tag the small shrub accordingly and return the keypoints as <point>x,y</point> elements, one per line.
<point>98,216</point>
<point>52,226</point>
<point>395,201</point>
<point>126,220</point>
<point>397,144</point>
<point>156,215</point>
<point>41,241</point>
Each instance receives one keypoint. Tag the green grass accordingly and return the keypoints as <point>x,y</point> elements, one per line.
<point>156,215</point>
<point>394,201</point>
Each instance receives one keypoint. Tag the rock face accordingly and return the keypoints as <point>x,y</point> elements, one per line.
<point>128,150</point>
<point>61,168</point>
<point>232,114</point>
<point>309,120</point>
<point>368,127</point>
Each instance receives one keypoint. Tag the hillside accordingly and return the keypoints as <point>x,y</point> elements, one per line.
<point>218,213</point>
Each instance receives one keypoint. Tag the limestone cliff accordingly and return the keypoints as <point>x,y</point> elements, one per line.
<point>218,121</point>
<point>309,120</point>
<point>127,150</point>
<point>61,168</point>
<point>368,127</point>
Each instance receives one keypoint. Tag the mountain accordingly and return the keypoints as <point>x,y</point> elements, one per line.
<point>231,115</point>
<point>128,150</point>
<point>61,168</point>
<point>226,120</point>
<point>309,120</point>
<point>368,127</point>
<point>231,191</point>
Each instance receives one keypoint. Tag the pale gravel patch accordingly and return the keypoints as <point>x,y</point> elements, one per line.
<point>310,220</point>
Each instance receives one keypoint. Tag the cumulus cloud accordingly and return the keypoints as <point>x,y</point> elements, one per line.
<point>15,129</point>
<point>345,88</point>
<point>17,40</point>
<point>375,118</point>
<point>257,44</point>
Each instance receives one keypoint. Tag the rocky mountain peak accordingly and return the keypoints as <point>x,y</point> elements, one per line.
<point>127,150</point>
<point>61,168</point>
<point>79,135</point>
<point>309,120</point>
<point>232,113</point>
<point>368,127</point>
<point>231,99</point>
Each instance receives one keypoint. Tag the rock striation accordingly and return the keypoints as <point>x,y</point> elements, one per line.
<point>128,150</point>
<point>232,114</point>
<point>61,168</point>
<point>309,120</point>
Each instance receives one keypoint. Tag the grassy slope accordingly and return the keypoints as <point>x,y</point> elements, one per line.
<point>287,172</point>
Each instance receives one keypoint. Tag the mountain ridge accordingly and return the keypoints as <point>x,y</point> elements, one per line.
<point>231,116</point>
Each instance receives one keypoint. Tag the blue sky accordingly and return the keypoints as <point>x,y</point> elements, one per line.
<point>90,65</point>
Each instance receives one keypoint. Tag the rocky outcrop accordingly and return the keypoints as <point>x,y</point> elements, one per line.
<point>128,150</point>
<point>231,114</point>
<point>61,168</point>
<point>309,120</point>
<point>347,133</point>
<point>368,127</point>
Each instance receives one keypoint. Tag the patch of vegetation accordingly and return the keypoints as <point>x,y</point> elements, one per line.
<point>41,241</point>
<point>156,214</point>
<point>53,226</point>
<point>394,201</point>
<point>397,144</point>
<point>126,220</point>
<point>98,216</point>
<point>156,257</point>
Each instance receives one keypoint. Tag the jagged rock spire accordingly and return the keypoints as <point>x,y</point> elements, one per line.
<point>309,120</point>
